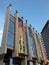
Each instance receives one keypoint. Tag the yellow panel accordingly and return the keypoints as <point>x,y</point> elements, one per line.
<point>21,39</point>
<point>21,46</point>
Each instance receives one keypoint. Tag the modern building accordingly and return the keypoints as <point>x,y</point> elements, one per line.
<point>21,44</point>
<point>45,36</point>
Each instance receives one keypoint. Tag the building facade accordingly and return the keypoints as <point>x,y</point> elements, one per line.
<point>21,44</point>
<point>45,36</point>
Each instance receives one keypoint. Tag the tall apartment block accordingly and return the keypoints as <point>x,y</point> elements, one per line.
<point>45,36</point>
<point>21,44</point>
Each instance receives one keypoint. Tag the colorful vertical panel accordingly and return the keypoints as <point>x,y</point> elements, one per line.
<point>39,50</point>
<point>25,40</point>
<point>32,45</point>
<point>21,46</point>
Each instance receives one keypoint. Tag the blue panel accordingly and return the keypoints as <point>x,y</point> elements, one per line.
<point>11,18</point>
<point>11,61</point>
<point>10,39</point>
<point>32,45</point>
<point>11,33</point>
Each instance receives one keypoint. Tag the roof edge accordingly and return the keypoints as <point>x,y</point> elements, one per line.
<point>45,26</point>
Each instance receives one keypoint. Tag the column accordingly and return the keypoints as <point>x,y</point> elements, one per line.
<point>28,42</point>
<point>24,61</point>
<point>5,31</point>
<point>15,53</point>
<point>1,61</point>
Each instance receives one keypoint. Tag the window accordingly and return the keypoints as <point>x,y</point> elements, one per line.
<point>11,33</point>
<point>11,26</point>
<point>11,17</point>
<point>10,39</point>
<point>25,41</point>
<point>39,47</point>
<point>30,63</point>
<point>32,45</point>
<point>11,61</point>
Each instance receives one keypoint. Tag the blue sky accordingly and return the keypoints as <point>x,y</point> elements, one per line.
<point>35,11</point>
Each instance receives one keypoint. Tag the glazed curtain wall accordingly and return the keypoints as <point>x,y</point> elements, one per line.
<point>21,46</point>
<point>11,32</point>
<point>39,47</point>
<point>25,40</point>
<point>32,45</point>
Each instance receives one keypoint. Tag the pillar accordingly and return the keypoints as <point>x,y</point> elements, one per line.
<point>5,31</point>
<point>28,42</point>
<point>1,61</point>
<point>24,61</point>
<point>15,53</point>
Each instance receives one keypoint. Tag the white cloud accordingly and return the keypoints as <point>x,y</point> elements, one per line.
<point>1,32</point>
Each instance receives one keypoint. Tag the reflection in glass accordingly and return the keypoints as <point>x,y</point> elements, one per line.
<point>39,47</point>
<point>11,32</point>
<point>30,63</point>
<point>32,45</point>
<point>10,39</point>
<point>25,41</point>
<point>11,27</point>
<point>11,61</point>
<point>1,37</point>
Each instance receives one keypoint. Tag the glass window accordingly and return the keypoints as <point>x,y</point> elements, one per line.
<point>25,41</point>
<point>32,45</point>
<point>11,61</point>
<point>0,38</point>
<point>11,32</point>
<point>38,64</point>
<point>30,63</point>
<point>10,39</point>
<point>39,47</point>
<point>11,26</point>
<point>11,18</point>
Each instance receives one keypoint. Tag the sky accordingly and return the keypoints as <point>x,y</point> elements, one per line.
<point>36,12</point>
